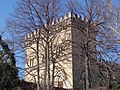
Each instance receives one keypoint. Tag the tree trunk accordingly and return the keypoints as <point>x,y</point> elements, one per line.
<point>86,60</point>
<point>53,71</point>
<point>86,73</point>
<point>45,72</point>
<point>48,62</point>
<point>37,56</point>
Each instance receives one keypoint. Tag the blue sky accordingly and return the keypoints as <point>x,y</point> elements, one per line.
<point>6,7</point>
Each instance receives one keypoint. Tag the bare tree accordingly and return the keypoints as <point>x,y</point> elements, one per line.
<point>100,38</point>
<point>35,30</point>
<point>33,19</point>
<point>31,16</point>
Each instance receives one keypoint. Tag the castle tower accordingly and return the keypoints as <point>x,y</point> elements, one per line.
<point>68,49</point>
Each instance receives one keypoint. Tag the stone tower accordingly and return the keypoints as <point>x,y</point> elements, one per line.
<point>70,42</point>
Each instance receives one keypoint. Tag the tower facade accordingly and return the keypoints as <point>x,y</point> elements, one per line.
<point>69,37</point>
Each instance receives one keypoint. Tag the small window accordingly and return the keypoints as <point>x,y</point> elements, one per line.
<point>60,84</point>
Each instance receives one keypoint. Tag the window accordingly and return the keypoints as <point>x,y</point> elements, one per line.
<point>60,84</point>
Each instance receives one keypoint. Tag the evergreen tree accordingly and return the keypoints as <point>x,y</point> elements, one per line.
<point>8,70</point>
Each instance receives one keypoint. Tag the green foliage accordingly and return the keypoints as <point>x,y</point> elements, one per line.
<point>118,86</point>
<point>12,60</point>
<point>8,76</point>
<point>8,70</point>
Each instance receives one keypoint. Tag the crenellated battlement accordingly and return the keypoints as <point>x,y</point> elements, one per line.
<point>62,22</point>
<point>67,16</point>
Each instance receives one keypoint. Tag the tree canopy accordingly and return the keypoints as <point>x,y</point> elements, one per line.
<point>8,70</point>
